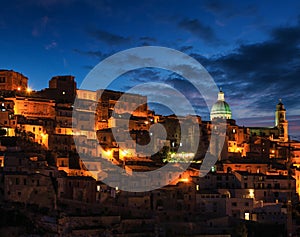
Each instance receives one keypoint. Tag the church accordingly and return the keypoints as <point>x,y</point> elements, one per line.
<point>243,141</point>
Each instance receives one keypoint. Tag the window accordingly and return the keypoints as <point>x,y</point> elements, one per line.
<point>234,204</point>
<point>247,216</point>
<point>2,79</point>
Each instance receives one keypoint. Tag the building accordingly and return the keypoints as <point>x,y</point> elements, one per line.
<point>33,107</point>
<point>13,81</point>
<point>62,89</point>
<point>220,109</point>
<point>280,122</point>
<point>78,188</point>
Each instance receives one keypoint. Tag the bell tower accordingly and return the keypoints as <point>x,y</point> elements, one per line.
<point>280,121</point>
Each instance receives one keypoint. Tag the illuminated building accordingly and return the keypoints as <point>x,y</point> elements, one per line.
<point>7,118</point>
<point>13,81</point>
<point>34,107</point>
<point>220,109</point>
<point>280,121</point>
<point>110,103</point>
<point>36,131</point>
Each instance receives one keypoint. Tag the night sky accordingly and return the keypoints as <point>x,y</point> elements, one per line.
<point>251,48</point>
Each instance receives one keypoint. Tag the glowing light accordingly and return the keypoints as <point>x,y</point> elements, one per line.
<point>125,152</point>
<point>251,193</point>
<point>19,88</point>
<point>29,90</point>
<point>107,153</point>
<point>185,180</point>
<point>247,216</point>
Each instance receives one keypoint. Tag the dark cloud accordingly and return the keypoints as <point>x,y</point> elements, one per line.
<point>94,54</point>
<point>148,39</point>
<point>214,6</point>
<point>225,9</point>
<point>187,48</point>
<point>97,54</point>
<point>256,75</point>
<point>198,29</point>
<point>109,38</point>
<point>88,67</point>
<point>270,64</point>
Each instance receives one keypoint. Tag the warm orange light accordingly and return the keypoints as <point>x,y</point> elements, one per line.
<point>28,90</point>
<point>19,88</point>
<point>107,153</point>
<point>185,180</point>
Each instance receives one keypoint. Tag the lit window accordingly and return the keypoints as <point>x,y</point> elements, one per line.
<point>247,216</point>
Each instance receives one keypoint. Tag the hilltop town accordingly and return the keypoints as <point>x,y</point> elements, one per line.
<point>54,144</point>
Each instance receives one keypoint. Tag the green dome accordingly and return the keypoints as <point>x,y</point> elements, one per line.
<point>220,109</point>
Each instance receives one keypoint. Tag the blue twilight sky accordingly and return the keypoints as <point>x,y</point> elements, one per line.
<point>251,48</point>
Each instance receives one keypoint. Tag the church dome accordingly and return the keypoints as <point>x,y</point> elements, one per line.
<point>221,108</point>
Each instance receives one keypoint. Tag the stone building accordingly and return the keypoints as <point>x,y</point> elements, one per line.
<point>13,81</point>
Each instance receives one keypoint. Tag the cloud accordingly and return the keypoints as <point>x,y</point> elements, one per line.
<point>226,10</point>
<point>40,26</point>
<point>52,45</point>
<point>269,64</point>
<point>254,76</point>
<point>198,29</point>
<point>96,54</point>
<point>148,39</point>
<point>109,38</point>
